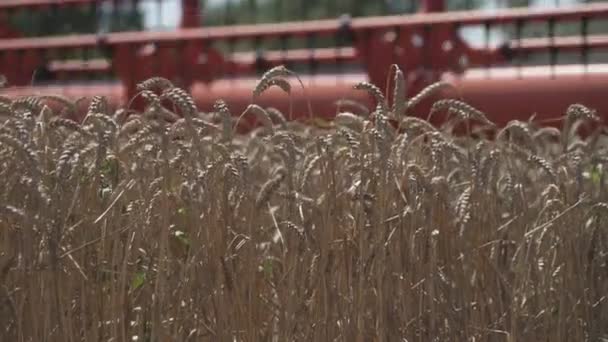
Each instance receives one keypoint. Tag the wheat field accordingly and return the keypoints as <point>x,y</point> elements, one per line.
<point>170,225</point>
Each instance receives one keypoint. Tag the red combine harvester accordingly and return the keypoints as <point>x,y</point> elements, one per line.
<point>522,75</point>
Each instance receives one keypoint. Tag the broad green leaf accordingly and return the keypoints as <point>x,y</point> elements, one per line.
<point>138,280</point>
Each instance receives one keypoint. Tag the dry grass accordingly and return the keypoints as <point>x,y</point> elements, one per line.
<point>153,227</point>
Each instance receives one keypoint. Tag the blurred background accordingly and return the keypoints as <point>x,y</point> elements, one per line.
<point>163,15</point>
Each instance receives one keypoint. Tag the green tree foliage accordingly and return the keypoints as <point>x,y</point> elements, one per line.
<point>262,11</point>
<point>67,20</point>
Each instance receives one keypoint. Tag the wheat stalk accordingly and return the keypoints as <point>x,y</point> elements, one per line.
<point>165,223</point>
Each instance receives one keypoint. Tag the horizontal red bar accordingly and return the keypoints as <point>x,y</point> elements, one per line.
<point>315,27</point>
<point>94,65</point>
<point>63,42</point>
<point>324,55</point>
<point>562,43</point>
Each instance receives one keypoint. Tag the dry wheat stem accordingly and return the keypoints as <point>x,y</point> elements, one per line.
<point>170,224</point>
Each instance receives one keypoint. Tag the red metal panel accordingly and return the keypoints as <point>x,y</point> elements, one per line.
<point>29,62</point>
<point>191,13</point>
<point>9,67</point>
<point>64,42</point>
<point>125,63</point>
<point>432,6</point>
<point>165,63</point>
<point>543,91</point>
<point>575,43</point>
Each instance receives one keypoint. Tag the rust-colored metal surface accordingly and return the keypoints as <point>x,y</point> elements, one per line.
<point>514,94</point>
<point>505,94</point>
